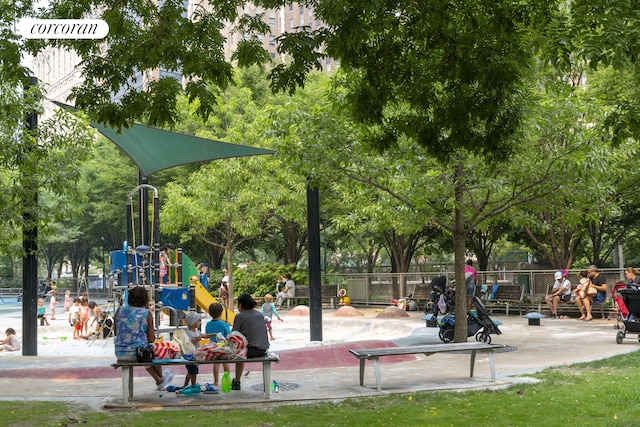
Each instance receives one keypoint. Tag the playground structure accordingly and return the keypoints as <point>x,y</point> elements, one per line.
<point>138,265</point>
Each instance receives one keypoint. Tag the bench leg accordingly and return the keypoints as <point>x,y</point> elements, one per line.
<point>473,362</point>
<point>127,384</point>
<point>266,379</point>
<point>362,362</point>
<point>492,366</point>
<point>376,370</point>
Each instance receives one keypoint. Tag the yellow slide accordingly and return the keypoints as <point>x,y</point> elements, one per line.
<point>204,299</point>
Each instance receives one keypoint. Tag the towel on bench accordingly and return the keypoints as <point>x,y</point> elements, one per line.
<point>235,346</point>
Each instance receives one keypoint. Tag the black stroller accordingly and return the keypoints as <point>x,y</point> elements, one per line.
<point>630,296</point>
<point>436,307</point>
<point>442,301</point>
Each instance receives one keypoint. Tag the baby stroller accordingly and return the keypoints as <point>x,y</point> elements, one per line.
<point>478,324</point>
<point>630,300</point>
<point>618,303</point>
<point>441,301</point>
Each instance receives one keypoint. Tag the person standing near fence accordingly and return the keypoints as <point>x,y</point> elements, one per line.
<point>470,279</point>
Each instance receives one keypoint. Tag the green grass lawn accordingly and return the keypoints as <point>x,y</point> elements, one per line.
<point>602,393</point>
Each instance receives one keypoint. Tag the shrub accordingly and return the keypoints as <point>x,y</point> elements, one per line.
<point>259,279</point>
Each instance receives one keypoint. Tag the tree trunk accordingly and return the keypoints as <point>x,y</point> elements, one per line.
<point>459,239</point>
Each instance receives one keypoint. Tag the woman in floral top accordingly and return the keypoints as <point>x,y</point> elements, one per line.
<point>133,329</point>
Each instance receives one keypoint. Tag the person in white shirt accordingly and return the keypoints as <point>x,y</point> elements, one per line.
<point>561,291</point>
<point>289,291</point>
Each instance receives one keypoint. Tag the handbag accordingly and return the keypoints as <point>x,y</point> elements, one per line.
<point>144,354</point>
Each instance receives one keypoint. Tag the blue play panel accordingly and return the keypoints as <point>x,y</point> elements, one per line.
<point>177,298</point>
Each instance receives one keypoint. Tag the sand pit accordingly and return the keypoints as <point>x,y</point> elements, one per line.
<point>293,332</point>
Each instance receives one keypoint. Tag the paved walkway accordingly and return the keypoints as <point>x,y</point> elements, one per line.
<point>324,371</point>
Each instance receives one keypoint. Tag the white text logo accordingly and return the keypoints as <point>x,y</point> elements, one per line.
<point>63,28</point>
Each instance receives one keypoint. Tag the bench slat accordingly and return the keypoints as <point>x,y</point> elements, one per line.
<point>428,348</point>
<point>127,370</point>
<point>374,354</point>
<point>271,358</point>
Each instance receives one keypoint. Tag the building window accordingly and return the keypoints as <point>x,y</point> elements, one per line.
<point>272,24</point>
<point>290,24</point>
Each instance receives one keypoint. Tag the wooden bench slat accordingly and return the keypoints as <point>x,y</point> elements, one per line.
<point>506,294</point>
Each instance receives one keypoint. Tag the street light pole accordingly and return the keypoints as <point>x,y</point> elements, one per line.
<point>104,264</point>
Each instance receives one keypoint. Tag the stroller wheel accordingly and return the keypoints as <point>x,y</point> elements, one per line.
<point>619,337</point>
<point>446,335</point>
<point>480,336</point>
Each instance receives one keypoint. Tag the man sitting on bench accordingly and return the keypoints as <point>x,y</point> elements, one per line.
<point>289,291</point>
<point>561,290</point>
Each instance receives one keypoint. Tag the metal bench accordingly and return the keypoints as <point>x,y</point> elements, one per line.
<point>374,354</point>
<point>127,370</point>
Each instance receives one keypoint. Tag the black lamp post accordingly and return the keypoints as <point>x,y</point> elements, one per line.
<point>104,265</point>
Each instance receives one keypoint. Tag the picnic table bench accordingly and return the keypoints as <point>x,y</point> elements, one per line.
<point>127,370</point>
<point>374,354</point>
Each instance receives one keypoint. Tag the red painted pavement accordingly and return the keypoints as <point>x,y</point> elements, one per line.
<point>329,356</point>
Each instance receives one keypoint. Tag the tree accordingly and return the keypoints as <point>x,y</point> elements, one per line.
<point>448,75</point>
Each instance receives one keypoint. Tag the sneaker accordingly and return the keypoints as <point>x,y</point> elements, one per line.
<point>166,380</point>
<point>235,385</point>
<point>210,389</point>
<point>173,388</point>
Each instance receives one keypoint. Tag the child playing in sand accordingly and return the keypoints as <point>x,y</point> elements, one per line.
<point>85,313</point>
<point>67,301</point>
<point>52,304</point>
<point>214,327</point>
<point>74,318</point>
<point>41,312</point>
<point>268,310</point>
<point>11,342</point>
<point>98,318</point>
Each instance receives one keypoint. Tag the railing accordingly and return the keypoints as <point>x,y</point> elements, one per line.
<point>9,292</point>
<point>380,288</point>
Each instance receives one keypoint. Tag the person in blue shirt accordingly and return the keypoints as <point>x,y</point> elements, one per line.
<point>217,326</point>
<point>204,275</point>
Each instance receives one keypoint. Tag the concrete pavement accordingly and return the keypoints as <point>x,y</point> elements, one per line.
<point>321,371</point>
